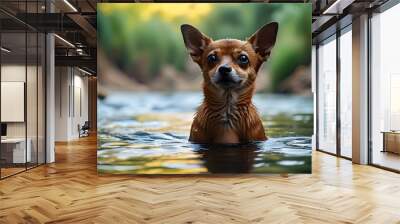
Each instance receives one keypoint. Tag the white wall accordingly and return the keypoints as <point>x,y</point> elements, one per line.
<point>80,110</point>
<point>71,102</point>
<point>13,73</point>
<point>62,81</point>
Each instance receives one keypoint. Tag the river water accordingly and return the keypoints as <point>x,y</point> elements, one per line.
<point>147,133</point>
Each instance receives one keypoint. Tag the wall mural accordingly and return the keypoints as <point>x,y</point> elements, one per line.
<point>204,88</point>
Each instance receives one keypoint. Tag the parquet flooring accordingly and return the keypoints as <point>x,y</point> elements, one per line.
<point>70,191</point>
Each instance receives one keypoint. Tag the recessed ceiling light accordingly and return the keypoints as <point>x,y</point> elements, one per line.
<point>70,5</point>
<point>84,71</point>
<point>338,6</point>
<point>65,41</point>
<point>5,50</point>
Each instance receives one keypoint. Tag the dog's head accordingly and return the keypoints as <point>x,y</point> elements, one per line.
<point>230,63</point>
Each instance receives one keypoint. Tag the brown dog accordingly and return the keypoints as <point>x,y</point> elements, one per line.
<point>230,66</point>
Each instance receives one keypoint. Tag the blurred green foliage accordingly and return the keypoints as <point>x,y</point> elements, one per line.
<point>141,47</point>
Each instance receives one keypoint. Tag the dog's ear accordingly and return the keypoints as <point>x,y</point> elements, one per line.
<point>264,39</point>
<point>195,41</point>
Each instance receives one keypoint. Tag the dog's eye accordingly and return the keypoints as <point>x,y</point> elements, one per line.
<point>212,58</point>
<point>243,59</point>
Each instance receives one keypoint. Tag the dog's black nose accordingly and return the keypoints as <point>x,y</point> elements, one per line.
<point>224,69</point>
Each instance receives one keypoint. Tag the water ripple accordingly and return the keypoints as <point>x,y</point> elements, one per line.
<point>151,136</point>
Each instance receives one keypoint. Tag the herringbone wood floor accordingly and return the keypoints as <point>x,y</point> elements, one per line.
<point>70,191</point>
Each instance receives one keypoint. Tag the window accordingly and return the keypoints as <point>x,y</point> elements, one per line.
<point>346,92</point>
<point>327,95</point>
<point>385,89</point>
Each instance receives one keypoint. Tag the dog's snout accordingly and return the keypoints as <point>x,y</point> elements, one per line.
<point>226,76</point>
<point>224,69</point>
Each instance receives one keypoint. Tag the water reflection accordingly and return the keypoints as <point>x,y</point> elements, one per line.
<point>150,136</point>
<point>167,153</point>
<point>229,158</point>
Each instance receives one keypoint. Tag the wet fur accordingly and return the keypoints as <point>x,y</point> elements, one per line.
<point>228,115</point>
<point>228,118</point>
